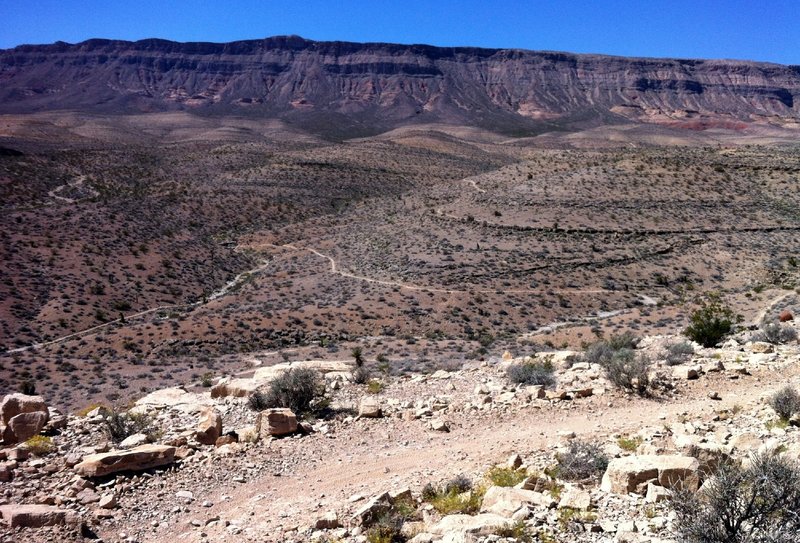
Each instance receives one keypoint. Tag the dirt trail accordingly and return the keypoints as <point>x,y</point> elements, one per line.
<point>373,456</point>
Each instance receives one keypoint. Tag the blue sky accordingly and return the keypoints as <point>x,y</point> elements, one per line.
<point>752,30</point>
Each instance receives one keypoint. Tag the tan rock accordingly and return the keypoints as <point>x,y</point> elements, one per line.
<point>133,441</point>
<point>632,473</point>
<point>482,524</point>
<point>762,347</point>
<point>328,521</point>
<point>235,388</point>
<point>210,426</point>
<point>276,422</point>
<point>139,458</point>
<point>34,516</point>
<point>369,408</point>
<point>573,497</point>
<point>656,493</point>
<point>504,501</point>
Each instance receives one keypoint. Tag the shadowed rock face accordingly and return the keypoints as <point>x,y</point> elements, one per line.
<point>385,85</point>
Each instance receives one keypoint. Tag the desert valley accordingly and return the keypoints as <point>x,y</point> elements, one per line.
<point>509,295</point>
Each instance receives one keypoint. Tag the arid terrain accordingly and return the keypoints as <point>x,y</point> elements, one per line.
<point>188,216</point>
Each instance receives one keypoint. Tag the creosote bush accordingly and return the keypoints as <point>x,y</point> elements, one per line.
<point>622,367</point>
<point>532,373</point>
<point>776,334</point>
<point>296,389</point>
<point>759,503</point>
<point>583,460</point>
<point>711,322</point>
<point>785,402</point>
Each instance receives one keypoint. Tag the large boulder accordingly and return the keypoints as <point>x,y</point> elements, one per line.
<point>34,516</point>
<point>633,473</point>
<point>210,426</point>
<point>235,388</point>
<point>276,422</point>
<point>139,458</point>
<point>24,426</point>
<point>28,413</point>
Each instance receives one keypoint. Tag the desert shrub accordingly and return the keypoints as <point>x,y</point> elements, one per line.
<point>207,379</point>
<point>581,461</point>
<point>711,322</point>
<point>387,529</point>
<point>374,386</point>
<point>456,496</point>
<point>28,388</point>
<point>776,334</point>
<point>629,444</point>
<point>625,340</point>
<point>532,373</point>
<point>678,353</point>
<point>602,351</point>
<point>119,425</point>
<point>629,372</point>
<point>759,503</point>
<point>39,445</point>
<point>505,476</point>
<point>361,374</point>
<point>785,402</point>
<point>296,389</point>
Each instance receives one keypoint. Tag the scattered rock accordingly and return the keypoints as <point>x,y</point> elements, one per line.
<point>209,429</point>
<point>369,408</point>
<point>34,516</point>
<point>632,473</point>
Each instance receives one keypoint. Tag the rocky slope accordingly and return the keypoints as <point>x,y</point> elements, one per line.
<point>217,471</point>
<point>366,88</point>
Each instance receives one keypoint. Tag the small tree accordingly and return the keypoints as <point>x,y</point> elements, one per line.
<point>712,322</point>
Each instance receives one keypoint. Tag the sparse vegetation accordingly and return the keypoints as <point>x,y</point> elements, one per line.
<point>40,445</point>
<point>456,496</point>
<point>532,373</point>
<point>785,402</point>
<point>711,322</point>
<point>679,353</point>
<point>776,333</point>
<point>756,503</point>
<point>120,425</point>
<point>629,444</point>
<point>296,389</point>
<point>505,476</point>
<point>583,460</point>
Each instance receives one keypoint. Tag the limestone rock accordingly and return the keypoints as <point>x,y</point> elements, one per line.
<point>439,425</point>
<point>573,497</point>
<point>632,473</point>
<point>482,524</point>
<point>139,458</point>
<point>133,441</point>
<point>276,422</point>
<point>328,521</point>
<point>15,404</point>
<point>369,408</point>
<point>504,501</point>
<point>209,429</point>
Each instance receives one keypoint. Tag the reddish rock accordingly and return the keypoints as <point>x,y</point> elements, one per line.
<point>34,516</point>
<point>210,427</point>
<point>276,422</point>
<point>785,316</point>
<point>140,458</point>
<point>24,426</point>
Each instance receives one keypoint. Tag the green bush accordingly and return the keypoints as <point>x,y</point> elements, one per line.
<point>505,476</point>
<point>532,373</point>
<point>759,503</point>
<point>711,322</point>
<point>297,389</point>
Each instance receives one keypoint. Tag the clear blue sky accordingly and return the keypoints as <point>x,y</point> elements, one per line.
<point>741,29</point>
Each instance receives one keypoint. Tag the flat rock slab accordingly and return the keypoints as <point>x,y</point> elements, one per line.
<point>504,501</point>
<point>136,459</point>
<point>34,516</point>
<point>482,524</point>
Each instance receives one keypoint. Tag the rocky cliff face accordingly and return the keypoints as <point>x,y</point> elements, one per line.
<point>376,86</point>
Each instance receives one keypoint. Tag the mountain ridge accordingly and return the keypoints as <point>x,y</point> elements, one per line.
<point>364,88</point>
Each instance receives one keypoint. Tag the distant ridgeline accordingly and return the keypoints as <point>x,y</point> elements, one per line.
<point>376,86</point>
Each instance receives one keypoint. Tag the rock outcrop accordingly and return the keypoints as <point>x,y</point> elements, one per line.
<point>22,417</point>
